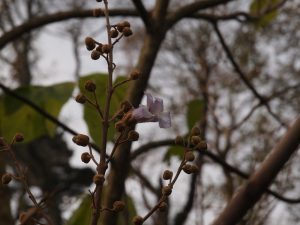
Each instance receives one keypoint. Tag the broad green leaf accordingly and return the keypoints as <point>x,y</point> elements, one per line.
<point>194,112</point>
<point>259,6</point>
<point>82,215</point>
<point>91,116</point>
<point>15,116</point>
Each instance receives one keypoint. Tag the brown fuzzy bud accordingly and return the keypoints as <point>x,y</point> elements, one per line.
<point>99,48</point>
<point>90,86</point>
<point>126,106</point>
<point>126,23</point>
<point>90,43</point>
<point>127,31</point>
<point>19,137</point>
<point>98,12</point>
<point>187,168</point>
<point>120,126</point>
<point>179,140</point>
<point>133,135</point>
<point>120,27</point>
<point>81,140</point>
<point>118,206</point>
<point>95,55</point>
<point>2,142</point>
<point>195,131</point>
<point>166,190</point>
<point>134,75</point>
<point>162,207</point>
<point>189,156</point>
<point>6,178</point>
<point>86,157</point>
<point>80,98</point>
<point>113,33</point>
<point>194,169</point>
<point>167,175</point>
<point>138,220</point>
<point>98,179</point>
<point>195,140</point>
<point>202,145</point>
<point>106,48</point>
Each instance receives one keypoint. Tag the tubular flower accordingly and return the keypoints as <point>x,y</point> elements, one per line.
<point>153,112</point>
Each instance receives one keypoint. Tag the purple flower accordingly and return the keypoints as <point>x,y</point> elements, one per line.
<point>153,112</point>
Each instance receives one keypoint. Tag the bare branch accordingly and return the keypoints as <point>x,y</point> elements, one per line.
<point>251,192</point>
<point>143,13</point>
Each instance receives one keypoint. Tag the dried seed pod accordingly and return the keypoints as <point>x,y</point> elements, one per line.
<point>167,175</point>
<point>106,48</point>
<point>162,207</point>
<point>166,190</point>
<point>118,206</point>
<point>195,140</point>
<point>179,140</point>
<point>81,140</point>
<point>98,179</point>
<point>187,168</point>
<point>86,157</point>
<point>19,137</point>
<point>189,156</point>
<point>138,220</point>
<point>90,43</point>
<point>90,86</point>
<point>133,135</point>
<point>6,178</point>
<point>202,145</point>
<point>95,55</point>
<point>80,98</point>
<point>98,12</point>
<point>134,75</point>
<point>113,33</point>
<point>127,31</point>
<point>195,131</point>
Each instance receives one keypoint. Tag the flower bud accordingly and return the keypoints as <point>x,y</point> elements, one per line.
<point>166,190</point>
<point>86,157</point>
<point>81,140</point>
<point>194,169</point>
<point>138,220</point>
<point>195,131</point>
<point>106,48</point>
<point>167,175</point>
<point>118,206</point>
<point>126,106</point>
<point>133,135</point>
<point>90,43</point>
<point>95,55</point>
<point>126,23</point>
<point>162,207</point>
<point>19,137</point>
<point>98,12</point>
<point>187,168</point>
<point>195,140</point>
<point>90,86</point>
<point>80,98</point>
<point>127,32</point>
<point>189,156</point>
<point>134,75</point>
<point>202,145</point>
<point>99,48</point>
<point>6,178</point>
<point>98,179</point>
<point>113,33</point>
<point>179,140</point>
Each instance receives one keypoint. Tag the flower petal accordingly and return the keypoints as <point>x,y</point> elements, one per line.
<point>157,106</point>
<point>164,120</point>
<point>142,114</point>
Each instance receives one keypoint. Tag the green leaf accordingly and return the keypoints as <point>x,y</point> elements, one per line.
<point>15,116</point>
<point>258,7</point>
<point>82,215</point>
<point>91,116</point>
<point>194,112</point>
